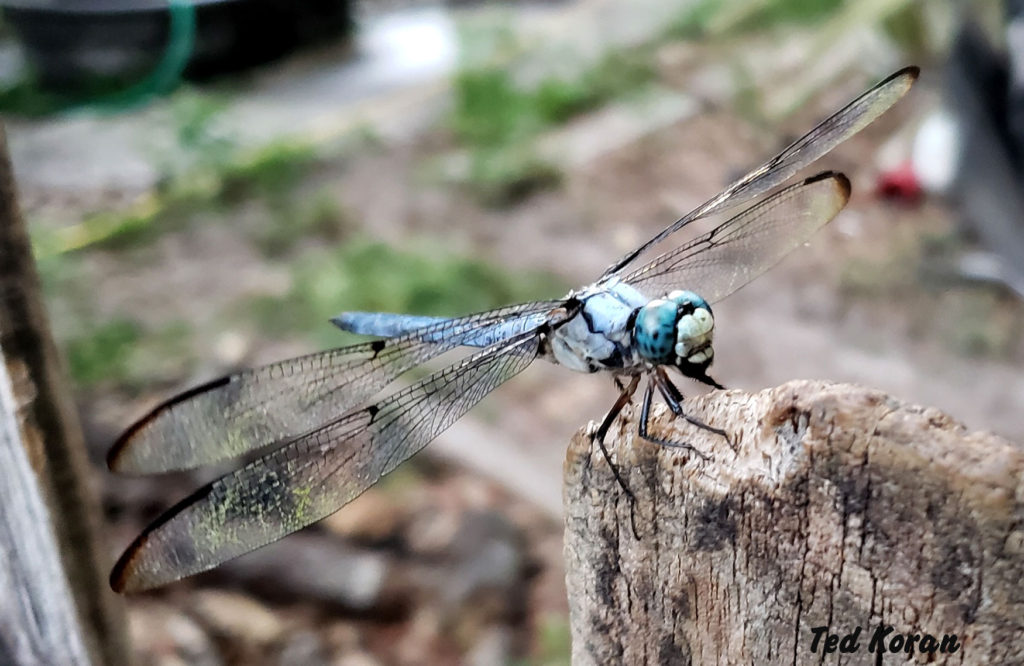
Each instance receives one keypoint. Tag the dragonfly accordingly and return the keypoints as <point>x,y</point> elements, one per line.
<point>319,435</point>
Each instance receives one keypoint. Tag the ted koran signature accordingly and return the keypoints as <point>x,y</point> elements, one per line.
<point>882,640</point>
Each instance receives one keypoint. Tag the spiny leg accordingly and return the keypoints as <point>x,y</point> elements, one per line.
<point>625,393</point>
<point>645,415</point>
<point>674,398</point>
<point>703,379</point>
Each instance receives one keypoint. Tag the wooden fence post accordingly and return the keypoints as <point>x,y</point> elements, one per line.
<point>836,508</point>
<point>38,623</point>
<point>44,424</point>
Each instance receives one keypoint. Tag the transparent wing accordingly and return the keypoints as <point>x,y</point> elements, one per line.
<point>314,475</point>
<point>835,129</point>
<point>256,408</point>
<point>744,246</point>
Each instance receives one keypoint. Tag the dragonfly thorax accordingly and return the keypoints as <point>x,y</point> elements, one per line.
<point>676,330</point>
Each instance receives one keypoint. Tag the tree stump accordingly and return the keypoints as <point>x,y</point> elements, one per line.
<point>837,525</point>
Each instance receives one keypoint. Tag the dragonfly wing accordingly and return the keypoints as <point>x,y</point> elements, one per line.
<point>744,246</point>
<point>389,325</point>
<point>314,475</point>
<point>256,408</point>
<point>832,131</point>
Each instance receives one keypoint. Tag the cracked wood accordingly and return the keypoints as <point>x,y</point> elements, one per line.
<point>838,506</point>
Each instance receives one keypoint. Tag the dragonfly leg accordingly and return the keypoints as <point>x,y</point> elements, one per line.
<point>703,379</point>
<point>645,417</point>
<point>625,393</point>
<point>674,398</point>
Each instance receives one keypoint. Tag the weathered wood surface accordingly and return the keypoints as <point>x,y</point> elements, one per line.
<point>45,425</point>
<point>839,507</point>
<point>38,624</point>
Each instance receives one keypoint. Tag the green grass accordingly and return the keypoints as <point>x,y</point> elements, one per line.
<point>503,176</point>
<point>367,275</point>
<point>195,119</point>
<point>796,11</point>
<point>498,119</point>
<point>554,642</point>
<point>26,98</point>
<point>121,352</point>
<point>102,353</point>
<point>105,349</point>
<point>695,21</point>
<point>207,171</point>
<point>492,110</point>
<point>290,222</point>
<point>719,18</point>
<point>270,173</point>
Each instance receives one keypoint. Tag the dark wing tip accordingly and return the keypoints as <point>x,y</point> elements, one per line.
<point>840,180</point>
<point>122,575</point>
<point>837,176</point>
<point>912,71</point>
<point>116,460</point>
<point>843,183</point>
<point>115,456</point>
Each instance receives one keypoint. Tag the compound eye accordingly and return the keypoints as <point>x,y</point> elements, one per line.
<point>688,301</point>
<point>695,326</point>
<point>693,336</point>
<point>705,322</point>
<point>654,330</point>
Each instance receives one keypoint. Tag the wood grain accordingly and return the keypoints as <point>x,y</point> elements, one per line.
<point>838,507</point>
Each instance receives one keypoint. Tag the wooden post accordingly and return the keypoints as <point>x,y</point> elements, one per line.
<point>838,508</point>
<point>38,624</point>
<point>42,422</point>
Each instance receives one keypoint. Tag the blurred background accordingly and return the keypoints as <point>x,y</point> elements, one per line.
<point>207,182</point>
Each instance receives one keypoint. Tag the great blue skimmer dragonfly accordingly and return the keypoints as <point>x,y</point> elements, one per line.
<point>323,439</point>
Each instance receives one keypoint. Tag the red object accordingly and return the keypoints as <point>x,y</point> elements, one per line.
<point>900,184</point>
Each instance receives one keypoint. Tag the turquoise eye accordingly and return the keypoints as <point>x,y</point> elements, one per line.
<point>654,330</point>
<point>688,298</point>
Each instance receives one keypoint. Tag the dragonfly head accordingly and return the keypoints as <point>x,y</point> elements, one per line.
<point>676,330</point>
